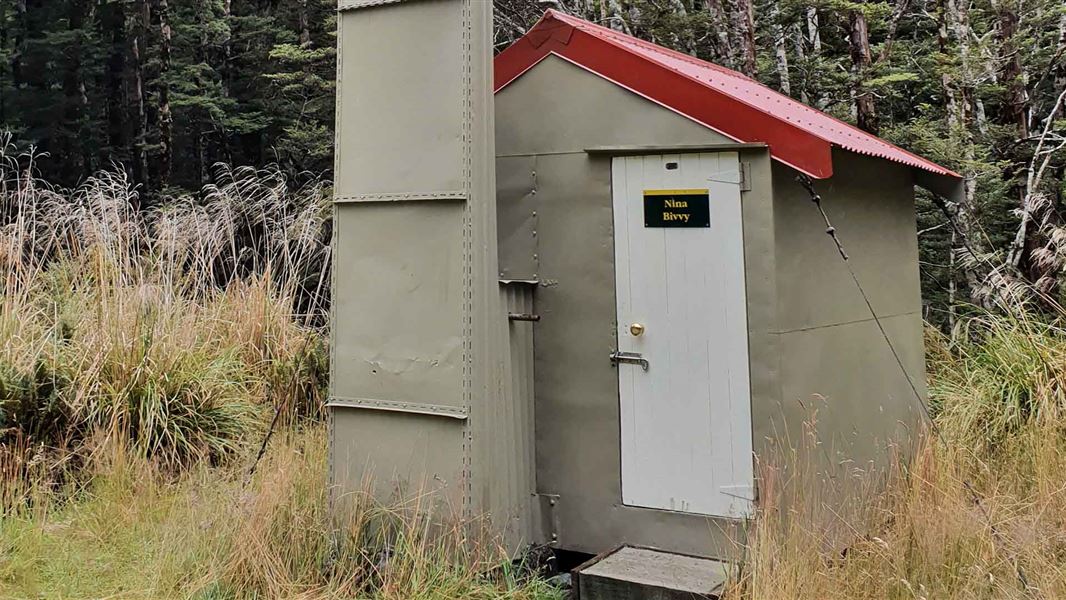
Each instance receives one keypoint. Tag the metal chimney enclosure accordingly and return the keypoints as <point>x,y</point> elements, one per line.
<point>420,400</point>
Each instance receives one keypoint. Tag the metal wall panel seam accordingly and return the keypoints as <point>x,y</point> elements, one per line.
<point>465,108</point>
<point>403,196</point>
<point>345,5</point>
<point>909,313</point>
<point>331,441</point>
<point>331,478</point>
<point>453,412</point>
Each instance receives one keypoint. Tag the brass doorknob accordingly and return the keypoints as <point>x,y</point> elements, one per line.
<point>636,329</point>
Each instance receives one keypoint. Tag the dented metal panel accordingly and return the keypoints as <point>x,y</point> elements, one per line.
<point>516,200</point>
<point>413,353</point>
<point>420,399</point>
<point>421,408</point>
<point>425,457</point>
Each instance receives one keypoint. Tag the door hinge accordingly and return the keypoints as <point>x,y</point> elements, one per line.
<point>744,492</point>
<point>745,177</point>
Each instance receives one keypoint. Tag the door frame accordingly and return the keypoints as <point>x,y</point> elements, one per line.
<point>745,490</point>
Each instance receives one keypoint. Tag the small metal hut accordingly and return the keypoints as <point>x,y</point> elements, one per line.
<point>603,353</point>
<point>693,313</point>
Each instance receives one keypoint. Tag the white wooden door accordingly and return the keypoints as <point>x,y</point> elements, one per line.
<point>686,418</point>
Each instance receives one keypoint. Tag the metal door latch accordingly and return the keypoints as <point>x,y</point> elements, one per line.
<point>630,357</point>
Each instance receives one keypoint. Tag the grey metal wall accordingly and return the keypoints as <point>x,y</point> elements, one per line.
<point>555,219</point>
<point>837,371</point>
<point>420,392</point>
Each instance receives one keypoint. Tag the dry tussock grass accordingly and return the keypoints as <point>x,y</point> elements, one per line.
<point>141,353</point>
<point>175,328</point>
<point>138,532</point>
<point>978,512</point>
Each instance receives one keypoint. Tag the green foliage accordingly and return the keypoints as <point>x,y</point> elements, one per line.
<point>1004,373</point>
<point>31,403</point>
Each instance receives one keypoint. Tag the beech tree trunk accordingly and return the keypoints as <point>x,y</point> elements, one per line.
<point>76,105</point>
<point>1060,69</point>
<point>227,45</point>
<point>799,42</point>
<point>113,22</point>
<point>861,61</point>
<point>814,36</point>
<point>204,14</point>
<point>719,21</point>
<point>304,23</point>
<point>814,39</point>
<point>138,30</point>
<point>780,49</point>
<point>952,31</point>
<point>19,39</point>
<point>166,118</point>
<point>1014,113</point>
<point>744,34</point>
<point>1016,106</point>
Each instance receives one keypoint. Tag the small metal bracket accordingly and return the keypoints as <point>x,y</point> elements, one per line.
<point>523,317</point>
<point>549,517</point>
<point>630,357</point>
<point>745,177</point>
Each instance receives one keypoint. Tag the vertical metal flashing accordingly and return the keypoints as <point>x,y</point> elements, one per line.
<point>418,316</point>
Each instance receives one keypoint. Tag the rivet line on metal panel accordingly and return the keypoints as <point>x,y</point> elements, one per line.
<point>831,231</point>
<point>331,426</point>
<point>422,408</point>
<point>404,196</point>
<point>466,109</point>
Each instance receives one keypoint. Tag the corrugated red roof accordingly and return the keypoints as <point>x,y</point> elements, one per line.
<point>721,99</point>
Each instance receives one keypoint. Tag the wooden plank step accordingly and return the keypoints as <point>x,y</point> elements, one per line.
<point>635,573</point>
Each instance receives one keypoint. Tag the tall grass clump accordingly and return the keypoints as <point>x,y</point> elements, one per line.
<point>1003,373</point>
<point>977,510</point>
<point>173,329</point>
<point>209,533</point>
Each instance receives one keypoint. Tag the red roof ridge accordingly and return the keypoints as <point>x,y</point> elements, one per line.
<point>652,46</point>
<point>721,99</point>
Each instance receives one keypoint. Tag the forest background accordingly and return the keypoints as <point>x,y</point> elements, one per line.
<point>165,217</point>
<point>165,90</point>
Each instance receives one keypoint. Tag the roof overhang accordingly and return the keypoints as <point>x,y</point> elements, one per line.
<point>789,142</point>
